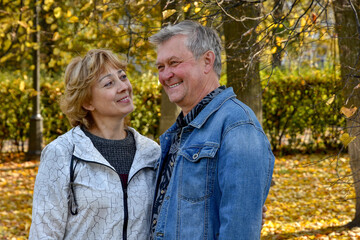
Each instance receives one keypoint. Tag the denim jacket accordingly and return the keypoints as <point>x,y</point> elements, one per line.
<point>221,176</point>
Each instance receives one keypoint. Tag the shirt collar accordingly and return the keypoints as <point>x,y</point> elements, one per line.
<point>182,121</point>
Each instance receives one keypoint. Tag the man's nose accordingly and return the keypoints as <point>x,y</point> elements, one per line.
<point>166,74</point>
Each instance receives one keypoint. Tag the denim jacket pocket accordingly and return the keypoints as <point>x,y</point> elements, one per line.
<point>198,171</point>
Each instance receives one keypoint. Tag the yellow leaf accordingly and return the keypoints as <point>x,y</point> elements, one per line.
<point>348,112</point>
<point>168,13</point>
<point>56,51</point>
<point>74,19</point>
<point>6,57</point>
<point>23,24</point>
<point>52,63</point>
<point>49,20</point>
<point>86,6</point>
<point>56,36</point>
<point>49,2</point>
<point>330,100</point>
<point>346,139</point>
<point>107,14</point>
<point>302,22</point>
<point>197,10</point>
<point>186,8</point>
<point>53,26</point>
<point>7,44</point>
<point>273,50</point>
<point>57,12</point>
<point>22,86</point>
<point>68,14</point>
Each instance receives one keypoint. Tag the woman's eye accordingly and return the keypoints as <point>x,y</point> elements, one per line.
<point>108,84</point>
<point>123,77</point>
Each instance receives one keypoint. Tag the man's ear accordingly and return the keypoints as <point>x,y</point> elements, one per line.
<point>209,59</point>
<point>88,106</point>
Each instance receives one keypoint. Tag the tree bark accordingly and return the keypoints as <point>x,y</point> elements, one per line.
<point>242,61</point>
<point>169,111</point>
<point>36,128</point>
<point>347,28</point>
<point>278,13</point>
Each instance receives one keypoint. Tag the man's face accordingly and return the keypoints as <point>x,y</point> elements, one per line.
<point>181,75</point>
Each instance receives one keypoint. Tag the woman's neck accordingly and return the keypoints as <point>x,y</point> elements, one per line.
<point>109,130</point>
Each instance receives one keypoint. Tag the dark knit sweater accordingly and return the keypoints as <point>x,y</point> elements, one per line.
<point>119,153</point>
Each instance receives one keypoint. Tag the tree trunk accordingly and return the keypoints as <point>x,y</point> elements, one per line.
<point>241,54</point>
<point>169,110</point>
<point>278,13</point>
<point>35,135</point>
<point>347,30</point>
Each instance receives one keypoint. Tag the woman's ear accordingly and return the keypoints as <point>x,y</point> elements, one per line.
<point>209,59</point>
<point>88,106</point>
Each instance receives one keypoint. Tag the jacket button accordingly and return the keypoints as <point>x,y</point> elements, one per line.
<point>195,156</point>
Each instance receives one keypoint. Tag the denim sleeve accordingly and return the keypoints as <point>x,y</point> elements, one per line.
<point>49,212</point>
<point>244,172</point>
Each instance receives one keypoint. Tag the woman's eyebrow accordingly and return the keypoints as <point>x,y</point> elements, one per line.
<point>107,75</point>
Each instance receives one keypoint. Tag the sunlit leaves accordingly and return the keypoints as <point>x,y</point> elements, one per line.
<point>348,112</point>
<point>305,203</point>
<point>56,36</point>
<point>186,8</point>
<point>330,100</point>
<point>346,139</point>
<point>167,13</point>
<point>57,12</point>
<point>73,19</point>
<point>16,188</point>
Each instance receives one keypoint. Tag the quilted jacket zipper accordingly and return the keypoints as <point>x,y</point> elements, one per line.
<point>125,194</point>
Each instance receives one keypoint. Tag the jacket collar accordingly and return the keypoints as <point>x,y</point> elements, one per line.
<point>147,151</point>
<point>212,107</point>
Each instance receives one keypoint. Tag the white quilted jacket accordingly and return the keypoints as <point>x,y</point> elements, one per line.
<point>97,189</point>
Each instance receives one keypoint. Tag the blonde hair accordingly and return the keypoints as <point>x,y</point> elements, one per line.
<point>80,75</point>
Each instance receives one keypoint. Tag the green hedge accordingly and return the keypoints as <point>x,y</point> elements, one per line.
<point>293,105</point>
<point>16,108</point>
<point>298,113</point>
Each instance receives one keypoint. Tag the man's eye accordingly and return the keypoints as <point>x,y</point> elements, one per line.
<point>160,67</point>
<point>172,63</point>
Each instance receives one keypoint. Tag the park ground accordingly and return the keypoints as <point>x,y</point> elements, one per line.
<point>308,200</point>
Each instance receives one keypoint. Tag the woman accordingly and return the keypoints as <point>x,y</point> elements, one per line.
<point>97,180</point>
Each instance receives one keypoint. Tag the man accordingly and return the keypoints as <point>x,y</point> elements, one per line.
<point>216,165</point>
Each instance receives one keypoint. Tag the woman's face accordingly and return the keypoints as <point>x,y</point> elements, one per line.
<point>111,96</point>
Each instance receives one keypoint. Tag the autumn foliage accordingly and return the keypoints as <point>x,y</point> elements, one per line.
<point>306,202</point>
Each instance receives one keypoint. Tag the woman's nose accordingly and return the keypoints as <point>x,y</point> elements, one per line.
<point>121,85</point>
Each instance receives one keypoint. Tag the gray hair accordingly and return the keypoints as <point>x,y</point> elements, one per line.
<point>199,40</point>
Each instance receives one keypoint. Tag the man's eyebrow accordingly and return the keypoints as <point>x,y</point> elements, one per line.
<point>167,60</point>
